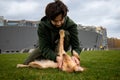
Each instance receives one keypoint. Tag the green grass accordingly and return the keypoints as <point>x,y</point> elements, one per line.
<point>100,65</point>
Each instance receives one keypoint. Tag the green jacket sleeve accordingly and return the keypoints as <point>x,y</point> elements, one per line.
<point>74,36</point>
<point>44,43</point>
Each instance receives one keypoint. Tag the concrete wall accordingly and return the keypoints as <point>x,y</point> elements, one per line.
<point>90,39</point>
<point>18,38</point>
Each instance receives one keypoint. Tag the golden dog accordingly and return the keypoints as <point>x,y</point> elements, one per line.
<point>68,64</point>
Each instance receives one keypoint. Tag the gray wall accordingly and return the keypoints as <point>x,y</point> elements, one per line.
<point>89,39</point>
<point>18,38</point>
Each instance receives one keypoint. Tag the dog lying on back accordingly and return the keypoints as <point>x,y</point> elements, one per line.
<point>68,64</point>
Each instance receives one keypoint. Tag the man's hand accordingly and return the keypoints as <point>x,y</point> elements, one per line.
<point>76,60</point>
<point>59,61</point>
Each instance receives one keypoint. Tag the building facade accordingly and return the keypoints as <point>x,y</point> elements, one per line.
<point>20,35</point>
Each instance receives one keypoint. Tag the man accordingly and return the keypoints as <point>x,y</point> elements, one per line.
<point>48,33</point>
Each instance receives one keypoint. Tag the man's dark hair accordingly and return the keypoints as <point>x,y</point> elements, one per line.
<point>55,8</point>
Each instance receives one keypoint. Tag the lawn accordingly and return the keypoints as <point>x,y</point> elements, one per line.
<point>100,65</point>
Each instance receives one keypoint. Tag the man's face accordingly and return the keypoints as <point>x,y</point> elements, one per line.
<point>58,21</point>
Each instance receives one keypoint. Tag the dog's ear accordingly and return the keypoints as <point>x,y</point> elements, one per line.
<point>75,54</point>
<point>79,69</point>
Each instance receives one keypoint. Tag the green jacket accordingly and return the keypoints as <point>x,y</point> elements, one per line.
<point>47,34</point>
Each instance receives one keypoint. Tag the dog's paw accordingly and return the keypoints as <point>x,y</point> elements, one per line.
<point>62,33</point>
<point>21,65</point>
